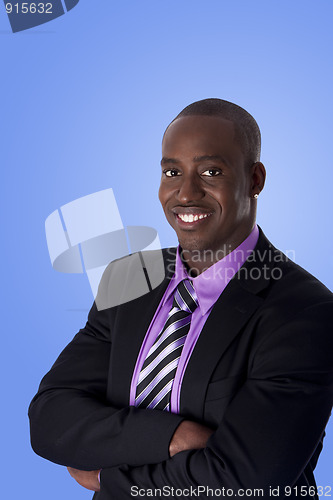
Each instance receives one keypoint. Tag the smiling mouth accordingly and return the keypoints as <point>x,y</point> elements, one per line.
<point>190,218</point>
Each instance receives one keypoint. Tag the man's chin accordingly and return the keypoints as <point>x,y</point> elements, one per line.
<point>195,245</point>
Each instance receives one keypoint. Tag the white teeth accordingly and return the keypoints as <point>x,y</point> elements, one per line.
<point>191,217</point>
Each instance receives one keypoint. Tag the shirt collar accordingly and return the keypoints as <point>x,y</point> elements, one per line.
<point>210,284</point>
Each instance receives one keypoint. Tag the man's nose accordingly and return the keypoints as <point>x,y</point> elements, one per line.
<point>190,190</point>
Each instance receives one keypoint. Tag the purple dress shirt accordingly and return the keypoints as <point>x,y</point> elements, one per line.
<point>208,286</point>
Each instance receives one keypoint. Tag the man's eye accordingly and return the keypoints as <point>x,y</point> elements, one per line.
<point>170,172</point>
<point>211,172</point>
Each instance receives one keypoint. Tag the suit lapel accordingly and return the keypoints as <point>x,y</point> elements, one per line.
<point>231,312</point>
<point>235,306</point>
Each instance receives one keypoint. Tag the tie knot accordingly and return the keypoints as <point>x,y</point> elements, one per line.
<point>185,297</point>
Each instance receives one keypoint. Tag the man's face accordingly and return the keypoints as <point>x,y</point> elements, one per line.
<point>205,188</point>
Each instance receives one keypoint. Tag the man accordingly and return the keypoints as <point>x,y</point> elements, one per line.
<point>241,399</point>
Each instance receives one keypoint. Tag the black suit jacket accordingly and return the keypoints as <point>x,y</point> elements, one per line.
<point>261,374</point>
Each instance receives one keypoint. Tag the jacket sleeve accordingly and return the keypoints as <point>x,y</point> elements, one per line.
<point>269,432</point>
<point>73,424</point>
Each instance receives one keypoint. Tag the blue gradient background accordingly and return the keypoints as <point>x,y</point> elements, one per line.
<point>85,100</point>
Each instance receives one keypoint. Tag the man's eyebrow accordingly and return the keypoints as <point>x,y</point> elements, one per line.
<point>196,159</point>
<point>169,161</point>
<point>219,158</point>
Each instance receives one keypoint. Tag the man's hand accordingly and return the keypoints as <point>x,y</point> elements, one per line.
<point>188,436</point>
<point>87,479</point>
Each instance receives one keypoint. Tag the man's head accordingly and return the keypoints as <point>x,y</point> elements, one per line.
<point>210,176</point>
<point>247,132</point>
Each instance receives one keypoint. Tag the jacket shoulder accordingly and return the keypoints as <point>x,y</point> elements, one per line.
<point>134,275</point>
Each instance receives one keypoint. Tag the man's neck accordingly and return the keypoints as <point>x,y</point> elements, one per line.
<point>197,261</point>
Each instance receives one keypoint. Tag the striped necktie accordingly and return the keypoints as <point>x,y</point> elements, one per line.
<point>158,371</point>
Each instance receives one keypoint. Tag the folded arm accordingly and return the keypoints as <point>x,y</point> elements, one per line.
<point>188,435</point>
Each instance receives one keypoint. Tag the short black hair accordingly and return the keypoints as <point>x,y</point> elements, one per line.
<point>246,128</point>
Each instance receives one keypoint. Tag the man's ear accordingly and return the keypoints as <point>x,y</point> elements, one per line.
<point>258,177</point>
